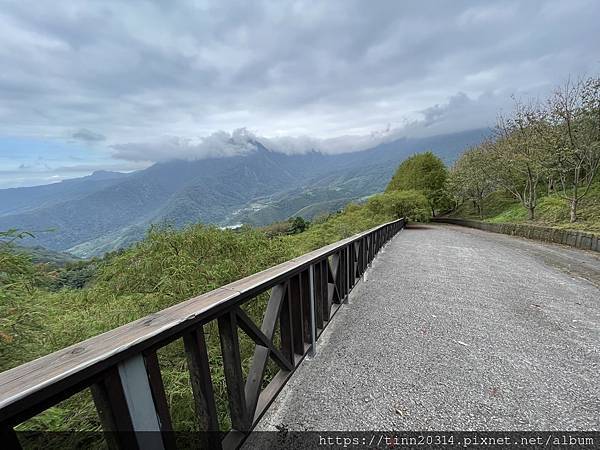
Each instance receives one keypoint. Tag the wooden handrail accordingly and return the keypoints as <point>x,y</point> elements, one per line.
<point>126,351</point>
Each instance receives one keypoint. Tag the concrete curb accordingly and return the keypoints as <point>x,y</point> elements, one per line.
<point>577,239</point>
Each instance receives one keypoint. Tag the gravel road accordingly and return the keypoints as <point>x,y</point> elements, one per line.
<point>457,329</point>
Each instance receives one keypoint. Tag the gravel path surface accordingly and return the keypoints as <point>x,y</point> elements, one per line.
<point>457,329</point>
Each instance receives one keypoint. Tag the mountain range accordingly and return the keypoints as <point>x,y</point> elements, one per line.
<point>107,210</point>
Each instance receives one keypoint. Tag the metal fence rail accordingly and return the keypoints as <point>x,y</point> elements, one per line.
<point>121,366</point>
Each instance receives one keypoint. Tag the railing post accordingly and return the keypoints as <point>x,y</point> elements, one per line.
<point>297,314</point>
<point>202,388</point>
<point>286,331</point>
<point>352,257</point>
<point>346,274</point>
<point>318,286</point>
<point>9,438</point>
<point>126,407</point>
<point>340,274</point>
<point>160,398</point>
<point>305,297</point>
<point>356,260</point>
<point>361,257</point>
<point>365,255</point>
<point>325,269</point>
<point>230,351</point>
<point>313,319</point>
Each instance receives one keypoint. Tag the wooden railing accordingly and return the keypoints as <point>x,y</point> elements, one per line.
<point>121,366</point>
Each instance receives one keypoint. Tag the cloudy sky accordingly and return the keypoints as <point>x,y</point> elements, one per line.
<point>118,85</point>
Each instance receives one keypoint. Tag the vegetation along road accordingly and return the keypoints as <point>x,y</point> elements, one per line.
<point>461,329</point>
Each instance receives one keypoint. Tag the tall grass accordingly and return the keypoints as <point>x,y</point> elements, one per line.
<point>167,267</point>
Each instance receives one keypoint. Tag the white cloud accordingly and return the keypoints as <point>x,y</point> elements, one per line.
<point>459,112</point>
<point>242,141</point>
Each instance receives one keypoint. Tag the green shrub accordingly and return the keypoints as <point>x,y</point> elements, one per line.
<point>412,205</point>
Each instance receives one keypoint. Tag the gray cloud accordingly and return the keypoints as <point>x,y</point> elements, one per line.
<point>460,112</point>
<point>220,143</point>
<point>334,76</point>
<point>86,135</point>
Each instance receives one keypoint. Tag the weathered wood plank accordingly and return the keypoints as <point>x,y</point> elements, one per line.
<point>230,350</point>
<point>342,275</point>
<point>246,324</point>
<point>318,286</point>
<point>201,381</point>
<point>366,251</point>
<point>305,298</point>
<point>357,260</point>
<point>111,404</point>
<point>325,290</point>
<point>269,393</point>
<point>142,410</point>
<point>349,269</point>
<point>286,331</point>
<point>297,314</point>
<point>255,377</point>
<point>312,308</point>
<point>160,399</point>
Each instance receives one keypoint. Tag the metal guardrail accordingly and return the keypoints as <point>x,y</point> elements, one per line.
<point>121,366</point>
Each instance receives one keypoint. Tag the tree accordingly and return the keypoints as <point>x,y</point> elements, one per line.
<point>297,225</point>
<point>574,111</point>
<point>518,156</point>
<point>411,205</point>
<point>468,178</point>
<point>423,172</point>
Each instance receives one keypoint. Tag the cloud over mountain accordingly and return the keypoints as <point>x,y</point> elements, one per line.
<point>241,141</point>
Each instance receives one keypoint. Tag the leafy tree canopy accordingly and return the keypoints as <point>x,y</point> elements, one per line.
<point>412,205</point>
<point>423,172</point>
<point>298,225</point>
